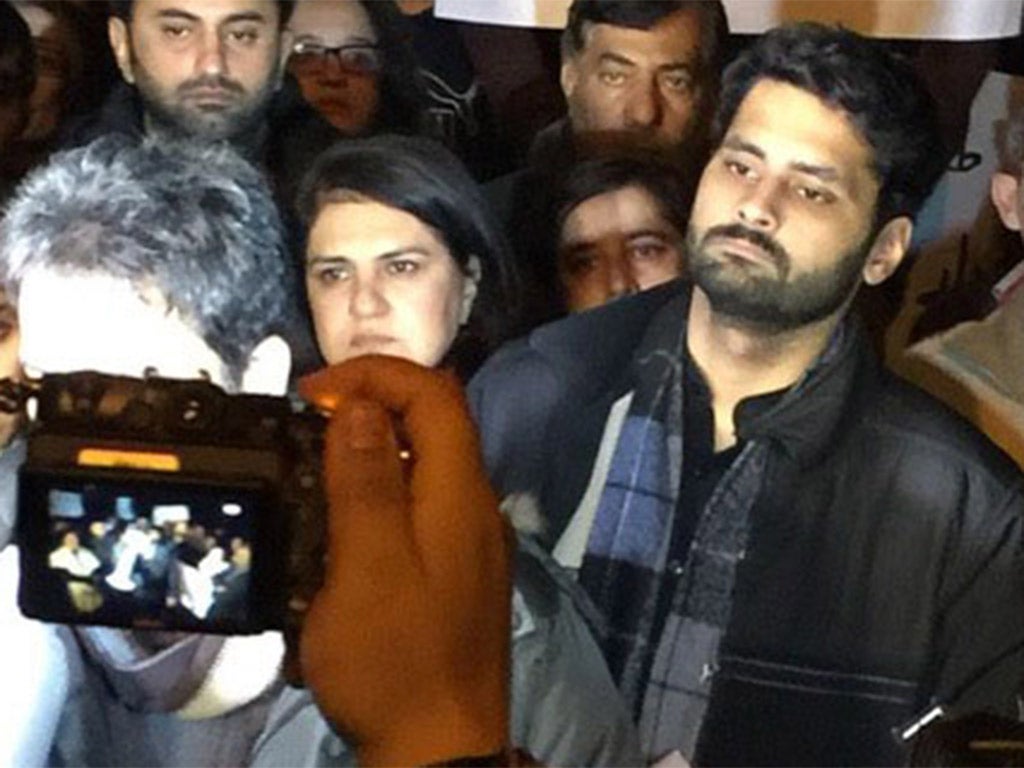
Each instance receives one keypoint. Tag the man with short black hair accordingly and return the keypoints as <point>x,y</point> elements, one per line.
<point>801,559</point>
<point>638,71</point>
<point>211,71</point>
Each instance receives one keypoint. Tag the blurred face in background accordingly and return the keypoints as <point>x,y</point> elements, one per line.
<point>380,281</point>
<point>336,61</point>
<point>9,364</point>
<point>205,68</point>
<point>615,244</point>
<point>642,82</point>
<point>55,48</point>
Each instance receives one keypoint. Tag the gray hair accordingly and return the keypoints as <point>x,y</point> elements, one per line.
<point>193,220</point>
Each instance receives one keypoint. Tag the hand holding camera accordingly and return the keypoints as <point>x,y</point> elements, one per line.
<point>168,504</point>
<point>406,646</point>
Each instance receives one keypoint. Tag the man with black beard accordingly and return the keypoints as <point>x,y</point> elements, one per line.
<point>798,556</point>
<point>213,70</point>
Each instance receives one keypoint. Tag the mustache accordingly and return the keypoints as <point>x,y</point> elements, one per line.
<point>211,82</point>
<point>736,231</point>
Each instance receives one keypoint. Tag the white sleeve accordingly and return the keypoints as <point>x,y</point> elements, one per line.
<point>34,675</point>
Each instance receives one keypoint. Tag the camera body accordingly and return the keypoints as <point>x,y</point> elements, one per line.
<point>168,504</point>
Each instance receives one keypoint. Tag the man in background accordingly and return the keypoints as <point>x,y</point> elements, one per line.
<point>644,73</point>
<point>211,71</point>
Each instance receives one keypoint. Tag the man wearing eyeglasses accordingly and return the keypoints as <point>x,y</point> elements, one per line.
<point>211,69</point>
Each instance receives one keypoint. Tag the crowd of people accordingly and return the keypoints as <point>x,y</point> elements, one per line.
<point>613,474</point>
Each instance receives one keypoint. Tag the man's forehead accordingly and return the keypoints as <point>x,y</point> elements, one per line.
<point>675,37</point>
<point>792,126</point>
<point>75,320</point>
<point>212,11</point>
<point>55,284</point>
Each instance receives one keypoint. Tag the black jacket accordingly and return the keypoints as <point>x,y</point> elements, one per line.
<point>885,568</point>
<point>295,133</point>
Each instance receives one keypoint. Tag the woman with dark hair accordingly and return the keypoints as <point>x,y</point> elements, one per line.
<point>403,256</point>
<point>355,64</point>
<point>403,259</point>
<point>615,226</point>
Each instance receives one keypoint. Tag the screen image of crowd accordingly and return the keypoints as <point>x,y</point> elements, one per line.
<point>145,558</point>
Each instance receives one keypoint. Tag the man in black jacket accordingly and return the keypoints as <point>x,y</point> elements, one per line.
<point>214,71</point>
<point>800,559</point>
<point>211,71</point>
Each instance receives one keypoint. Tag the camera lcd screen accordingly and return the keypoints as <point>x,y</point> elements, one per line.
<point>143,553</point>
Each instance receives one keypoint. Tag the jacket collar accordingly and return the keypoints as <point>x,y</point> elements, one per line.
<point>593,350</point>
<point>122,112</point>
<point>804,421</point>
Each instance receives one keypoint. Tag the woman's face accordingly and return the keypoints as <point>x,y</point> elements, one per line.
<point>343,85</point>
<point>381,281</point>
<point>615,244</point>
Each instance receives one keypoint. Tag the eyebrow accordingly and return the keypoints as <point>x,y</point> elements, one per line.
<point>177,13</point>
<point>576,246</point>
<point>354,40</point>
<point>315,259</point>
<point>822,172</point>
<point>660,233</point>
<point>586,244</point>
<point>616,58</point>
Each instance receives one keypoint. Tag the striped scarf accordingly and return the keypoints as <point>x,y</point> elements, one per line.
<point>664,674</point>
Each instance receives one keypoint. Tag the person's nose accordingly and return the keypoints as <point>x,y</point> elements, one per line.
<point>333,71</point>
<point>644,108</point>
<point>759,207</point>
<point>619,277</point>
<point>212,54</point>
<point>366,300</point>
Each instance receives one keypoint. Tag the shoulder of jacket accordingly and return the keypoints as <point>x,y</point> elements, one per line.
<point>919,422</point>
<point>544,592</point>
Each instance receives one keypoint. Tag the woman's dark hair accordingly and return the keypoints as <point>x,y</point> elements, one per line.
<point>17,58</point>
<point>421,177</point>
<point>668,182</point>
<point>665,182</point>
<point>879,92</point>
<point>403,94</point>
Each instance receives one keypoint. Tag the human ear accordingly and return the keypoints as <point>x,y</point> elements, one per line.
<point>1004,190</point>
<point>470,286</point>
<point>121,44</point>
<point>568,76</point>
<point>268,368</point>
<point>887,252</point>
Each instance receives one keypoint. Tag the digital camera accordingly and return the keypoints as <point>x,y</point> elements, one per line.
<point>167,504</point>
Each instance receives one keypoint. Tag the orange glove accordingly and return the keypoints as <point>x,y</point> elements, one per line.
<point>406,646</point>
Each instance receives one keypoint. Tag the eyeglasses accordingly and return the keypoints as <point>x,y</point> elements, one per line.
<point>313,58</point>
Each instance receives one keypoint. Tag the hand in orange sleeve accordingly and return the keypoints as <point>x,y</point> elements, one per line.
<point>406,645</point>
